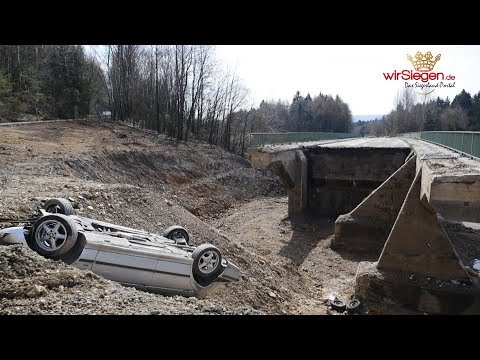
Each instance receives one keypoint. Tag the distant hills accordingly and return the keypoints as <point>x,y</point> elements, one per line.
<point>356,118</point>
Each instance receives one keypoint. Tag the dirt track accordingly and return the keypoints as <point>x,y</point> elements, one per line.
<point>139,179</point>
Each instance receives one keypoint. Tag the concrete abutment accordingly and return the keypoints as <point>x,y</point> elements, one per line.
<point>366,228</point>
<point>386,204</point>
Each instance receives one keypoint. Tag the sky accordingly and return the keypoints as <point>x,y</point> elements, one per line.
<point>354,72</point>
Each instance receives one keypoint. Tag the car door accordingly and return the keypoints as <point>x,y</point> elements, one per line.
<point>172,274</point>
<point>119,261</point>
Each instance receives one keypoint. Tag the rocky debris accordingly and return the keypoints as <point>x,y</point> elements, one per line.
<point>465,241</point>
<point>396,293</point>
<point>36,291</point>
<point>476,264</point>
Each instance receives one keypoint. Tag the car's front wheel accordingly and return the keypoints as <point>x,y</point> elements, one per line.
<point>207,261</point>
<point>53,235</point>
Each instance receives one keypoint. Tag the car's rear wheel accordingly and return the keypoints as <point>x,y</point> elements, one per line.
<point>53,235</point>
<point>59,206</point>
<point>178,234</point>
<point>207,261</point>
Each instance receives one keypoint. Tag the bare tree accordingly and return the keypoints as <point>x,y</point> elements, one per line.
<point>180,90</point>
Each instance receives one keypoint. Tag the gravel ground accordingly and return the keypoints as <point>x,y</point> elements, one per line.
<point>150,183</point>
<point>143,180</point>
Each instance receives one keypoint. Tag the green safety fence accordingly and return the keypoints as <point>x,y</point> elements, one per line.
<point>467,142</point>
<point>261,139</point>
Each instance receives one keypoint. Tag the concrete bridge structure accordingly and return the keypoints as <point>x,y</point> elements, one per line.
<point>392,198</point>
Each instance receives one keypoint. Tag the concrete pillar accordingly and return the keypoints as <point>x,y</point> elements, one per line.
<point>292,168</point>
<point>297,194</point>
<point>418,244</point>
<point>75,112</point>
<point>366,228</point>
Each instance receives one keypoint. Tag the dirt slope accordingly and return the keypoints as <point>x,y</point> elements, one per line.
<point>140,179</point>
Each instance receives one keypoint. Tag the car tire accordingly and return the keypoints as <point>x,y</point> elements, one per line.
<point>59,206</point>
<point>337,305</point>
<point>176,232</point>
<point>53,235</point>
<point>353,306</point>
<point>207,261</point>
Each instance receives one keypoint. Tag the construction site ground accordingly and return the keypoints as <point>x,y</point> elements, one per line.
<point>140,179</point>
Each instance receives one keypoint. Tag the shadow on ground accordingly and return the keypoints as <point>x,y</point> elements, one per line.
<point>309,231</point>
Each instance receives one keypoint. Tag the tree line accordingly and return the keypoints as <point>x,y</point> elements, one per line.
<point>179,90</point>
<point>411,114</point>
<point>45,81</point>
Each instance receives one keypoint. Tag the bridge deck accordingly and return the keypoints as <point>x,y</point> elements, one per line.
<point>442,161</point>
<point>450,180</point>
<point>382,142</point>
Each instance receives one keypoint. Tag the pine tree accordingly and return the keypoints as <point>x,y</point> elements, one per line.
<point>5,89</point>
<point>475,113</point>
<point>464,101</point>
<point>66,83</point>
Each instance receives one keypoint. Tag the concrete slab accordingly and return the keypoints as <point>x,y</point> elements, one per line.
<point>366,228</point>
<point>274,148</point>
<point>450,181</point>
<point>381,142</point>
<point>377,143</point>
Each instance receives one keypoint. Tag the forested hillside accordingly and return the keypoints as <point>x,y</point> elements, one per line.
<point>415,113</point>
<point>182,91</point>
<point>46,81</point>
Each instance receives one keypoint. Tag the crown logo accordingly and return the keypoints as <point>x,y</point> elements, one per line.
<point>423,62</point>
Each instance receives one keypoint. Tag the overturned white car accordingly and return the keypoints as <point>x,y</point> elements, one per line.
<point>166,264</point>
